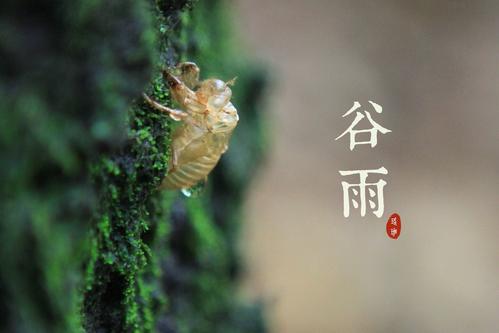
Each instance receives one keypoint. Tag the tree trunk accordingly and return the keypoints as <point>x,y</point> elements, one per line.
<point>87,242</point>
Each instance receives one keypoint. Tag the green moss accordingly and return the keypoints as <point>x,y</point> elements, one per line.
<point>127,181</point>
<point>59,112</point>
<point>82,158</point>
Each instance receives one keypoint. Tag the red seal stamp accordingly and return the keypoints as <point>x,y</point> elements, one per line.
<point>394,226</point>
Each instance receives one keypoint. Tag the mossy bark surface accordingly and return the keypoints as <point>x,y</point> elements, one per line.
<point>87,242</point>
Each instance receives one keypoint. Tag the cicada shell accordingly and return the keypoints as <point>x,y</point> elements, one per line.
<point>208,120</point>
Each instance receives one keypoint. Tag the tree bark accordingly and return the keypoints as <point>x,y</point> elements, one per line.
<point>87,242</point>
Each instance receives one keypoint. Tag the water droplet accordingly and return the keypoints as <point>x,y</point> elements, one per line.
<point>194,191</point>
<point>187,192</point>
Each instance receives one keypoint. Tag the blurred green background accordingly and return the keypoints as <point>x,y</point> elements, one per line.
<point>87,243</point>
